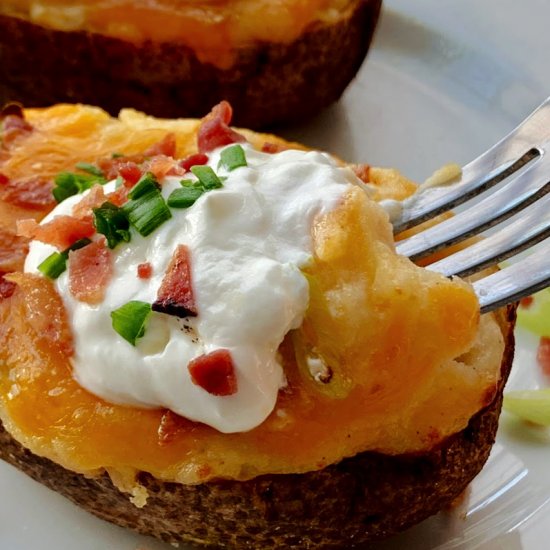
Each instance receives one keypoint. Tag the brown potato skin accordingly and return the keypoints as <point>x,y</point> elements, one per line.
<point>361,499</point>
<point>268,84</point>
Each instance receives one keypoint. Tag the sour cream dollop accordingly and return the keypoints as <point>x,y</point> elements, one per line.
<point>248,242</point>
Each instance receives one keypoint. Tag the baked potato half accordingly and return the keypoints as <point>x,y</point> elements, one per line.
<point>344,466</point>
<point>268,81</point>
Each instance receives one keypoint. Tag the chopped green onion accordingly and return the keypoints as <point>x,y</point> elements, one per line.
<point>192,183</point>
<point>530,405</point>
<point>146,183</point>
<point>184,198</point>
<point>111,221</point>
<point>90,169</point>
<point>55,264</point>
<point>207,177</point>
<point>130,320</point>
<point>68,184</point>
<point>233,157</point>
<point>117,155</point>
<point>147,212</point>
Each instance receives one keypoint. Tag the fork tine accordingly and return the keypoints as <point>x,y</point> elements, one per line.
<point>523,190</point>
<point>527,229</point>
<point>503,159</point>
<point>514,282</point>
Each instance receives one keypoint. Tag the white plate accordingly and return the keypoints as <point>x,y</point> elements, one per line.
<point>443,82</point>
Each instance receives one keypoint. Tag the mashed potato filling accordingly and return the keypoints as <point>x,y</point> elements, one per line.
<point>402,357</point>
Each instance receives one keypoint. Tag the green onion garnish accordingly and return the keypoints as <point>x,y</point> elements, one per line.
<point>117,155</point>
<point>147,212</point>
<point>191,183</point>
<point>232,157</point>
<point>90,169</point>
<point>146,183</point>
<point>56,263</point>
<point>111,221</point>
<point>207,177</point>
<point>184,198</point>
<point>68,184</point>
<point>130,320</point>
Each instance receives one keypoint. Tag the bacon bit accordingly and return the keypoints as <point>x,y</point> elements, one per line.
<point>198,159</point>
<point>543,355</point>
<point>175,295</point>
<point>7,288</point>
<point>269,147</point>
<point>362,171</point>
<point>126,167</point>
<point>167,147</point>
<point>33,192</point>
<point>130,172</point>
<point>214,130</point>
<point>90,269</point>
<point>145,270</point>
<point>61,232</point>
<point>13,127</point>
<point>526,302</point>
<point>94,199</point>
<point>171,425</point>
<point>159,166</point>
<point>214,372</point>
<point>13,250</point>
<point>119,196</point>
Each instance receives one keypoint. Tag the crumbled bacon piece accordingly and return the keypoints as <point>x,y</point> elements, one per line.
<point>34,192</point>
<point>198,159</point>
<point>214,372</point>
<point>94,199</point>
<point>119,196</point>
<point>13,124</point>
<point>175,295</point>
<point>171,424</point>
<point>159,166</point>
<point>126,167</point>
<point>145,270</point>
<point>167,147</point>
<point>61,232</point>
<point>90,269</point>
<point>526,302</point>
<point>13,250</point>
<point>269,147</point>
<point>362,171</point>
<point>130,172</point>
<point>214,130</point>
<point>7,288</point>
<point>543,355</point>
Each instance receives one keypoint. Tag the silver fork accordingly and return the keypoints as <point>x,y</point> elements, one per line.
<point>520,164</point>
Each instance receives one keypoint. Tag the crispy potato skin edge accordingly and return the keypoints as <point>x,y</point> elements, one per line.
<point>360,499</point>
<point>268,83</point>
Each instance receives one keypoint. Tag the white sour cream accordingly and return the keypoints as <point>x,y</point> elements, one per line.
<point>247,241</point>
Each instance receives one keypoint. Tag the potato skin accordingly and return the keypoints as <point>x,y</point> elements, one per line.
<point>362,498</point>
<point>268,84</point>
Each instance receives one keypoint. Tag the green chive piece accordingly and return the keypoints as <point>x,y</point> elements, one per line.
<point>68,184</point>
<point>184,198</point>
<point>54,265</point>
<point>232,157</point>
<point>90,169</point>
<point>147,212</point>
<point>145,184</point>
<point>117,155</point>
<point>192,183</point>
<point>130,320</point>
<point>207,177</point>
<point>111,221</point>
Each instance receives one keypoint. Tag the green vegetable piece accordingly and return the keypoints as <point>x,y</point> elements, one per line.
<point>130,320</point>
<point>111,221</point>
<point>530,405</point>
<point>536,317</point>
<point>68,184</point>
<point>147,212</point>
<point>117,155</point>
<point>90,169</point>
<point>207,177</point>
<point>184,198</point>
<point>146,183</point>
<point>233,157</point>
<point>55,264</point>
<point>192,183</point>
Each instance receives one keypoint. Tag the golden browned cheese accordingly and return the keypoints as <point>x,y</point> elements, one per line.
<point>212,28</point>
<point>410,358</point>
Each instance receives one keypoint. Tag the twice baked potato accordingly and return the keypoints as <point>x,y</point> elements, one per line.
<point>274,61</point>
<point>375,426</point>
